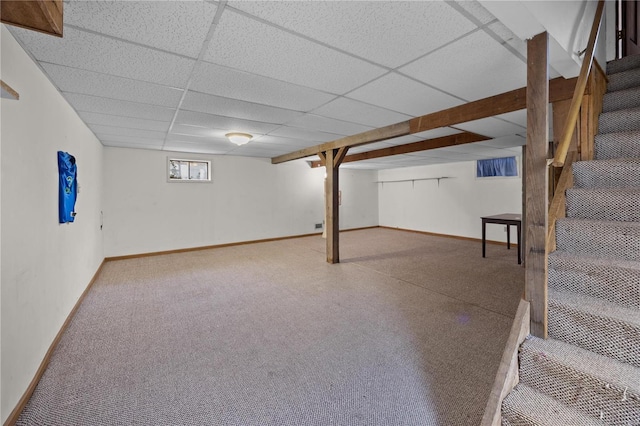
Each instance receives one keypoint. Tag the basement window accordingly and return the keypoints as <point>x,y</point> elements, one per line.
<point>497,167</point>
<point>180,170</point>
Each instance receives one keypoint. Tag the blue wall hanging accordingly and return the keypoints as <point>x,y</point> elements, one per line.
<point>68,171</point>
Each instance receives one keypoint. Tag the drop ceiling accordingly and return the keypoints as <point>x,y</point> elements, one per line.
<point>179,75</point>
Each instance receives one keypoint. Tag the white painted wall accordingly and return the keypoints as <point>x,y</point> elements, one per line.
<point>453,207</point>
<point>45,266</point>
<point>249,199</point>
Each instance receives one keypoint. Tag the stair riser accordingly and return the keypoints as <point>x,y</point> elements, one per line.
<point>624,80</point>
<point>601,241</point>
<point>599,205</point>
<point>577,389</point>
<point>591,175</point>
<point>621,286</point>
<point>620,341</point>
<point>619,121</point>
<point>617,145</point>
<point>615,101</point>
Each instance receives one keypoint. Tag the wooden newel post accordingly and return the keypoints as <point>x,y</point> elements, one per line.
<point>536,194</point>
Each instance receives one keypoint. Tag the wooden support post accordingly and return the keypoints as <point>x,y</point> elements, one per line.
<point>332,219</point>
<point>536,182</point>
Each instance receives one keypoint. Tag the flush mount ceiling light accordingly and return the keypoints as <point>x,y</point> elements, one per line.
<point>239,138</point>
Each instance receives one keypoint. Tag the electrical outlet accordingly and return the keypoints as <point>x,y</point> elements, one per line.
<point>318,226</point>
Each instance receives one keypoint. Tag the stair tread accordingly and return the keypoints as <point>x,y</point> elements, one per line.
<point>635,226</point>
<point>539,409</point>
<point>595,306</point>
<point>595,260</point>
<point>609,162</point>
<point>602,367</point>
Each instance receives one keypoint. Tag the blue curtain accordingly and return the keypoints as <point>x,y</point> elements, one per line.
<point>497,167</point>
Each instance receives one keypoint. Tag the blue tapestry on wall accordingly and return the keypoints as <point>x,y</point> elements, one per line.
<point>68,182</point>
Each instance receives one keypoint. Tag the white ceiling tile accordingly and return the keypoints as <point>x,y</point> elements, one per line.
<point>293,144</point>
<point>225,123</point>
<point>258,48</point>
<point>218,140</point>
<point>323,124</point>
<point>462,68</point>
<point>370,30</point>
<point>505,142</point>
<point>257,150</point>
<point>232,83</point>
<point>75,80</point>
<point>117,144</point>
<point>437,133</point>
<point>178,146</point>
<point>491,127</point>
<point>305,134</point>
<point>99,129</point>
<point>130,139</point>
<point>124,122</point>
<point>85,50</point>
<point>95,104</point>
<point>176,26</point>
<point>467,148</point>
<point>476,10</point>
<point>202,132</point>
<point>404,95</point>
<point>369,147</point>
<point>515,117</point>
<point>401,140</point>
<point>358,112</point>
<point>216,105</point>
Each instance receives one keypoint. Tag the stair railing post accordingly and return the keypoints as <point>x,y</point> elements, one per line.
<point>536,189</point>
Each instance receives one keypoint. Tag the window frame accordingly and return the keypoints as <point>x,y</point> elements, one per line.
<point>189,180</point>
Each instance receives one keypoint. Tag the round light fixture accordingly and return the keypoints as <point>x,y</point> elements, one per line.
<point>239,138</point>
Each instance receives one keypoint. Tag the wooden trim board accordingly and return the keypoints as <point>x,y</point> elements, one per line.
<point>507,377</point>
<point>15,414</point>
<point>457,237</point>
<point>215,246</point>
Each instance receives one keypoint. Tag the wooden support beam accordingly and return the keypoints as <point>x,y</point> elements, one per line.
<point>332,219</point>
<point>339,158</point>
<point>536,184</point>
<point>323,159</point>
<point>451,140</point>
<point>514,100</point>
<point>39,15</point>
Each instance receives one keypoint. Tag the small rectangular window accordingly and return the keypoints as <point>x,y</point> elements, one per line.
<point>494,167</point>
<point>189,170</point>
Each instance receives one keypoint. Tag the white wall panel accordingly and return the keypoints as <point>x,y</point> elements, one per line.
<point>454,206</point>
<point>249,199</point>
<point>45,266</point>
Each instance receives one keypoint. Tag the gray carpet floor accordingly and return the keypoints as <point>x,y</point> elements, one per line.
<point>407,330</point>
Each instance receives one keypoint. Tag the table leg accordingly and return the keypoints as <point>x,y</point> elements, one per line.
<point>519,230</point>
<point>509,237</point>
<point>484,235</point>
